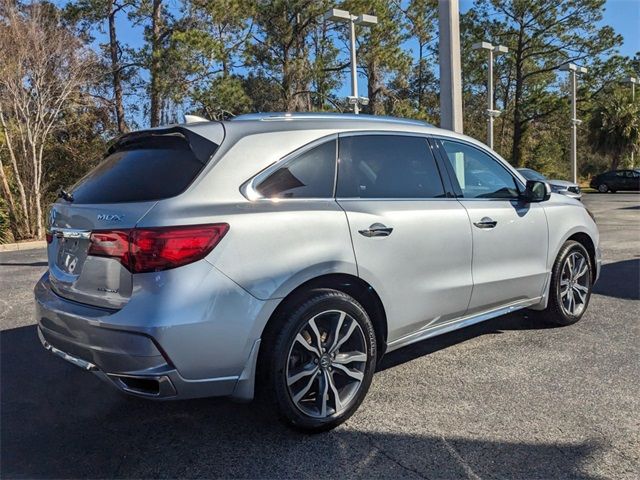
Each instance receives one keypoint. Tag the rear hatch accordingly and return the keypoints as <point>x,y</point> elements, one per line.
<point>98,215</point>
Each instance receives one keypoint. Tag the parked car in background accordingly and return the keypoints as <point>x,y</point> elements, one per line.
<point>199,259</point>
<point>616,180</point>
<point>569,189</point>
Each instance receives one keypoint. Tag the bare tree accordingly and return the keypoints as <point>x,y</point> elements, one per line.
<point>43,67</point>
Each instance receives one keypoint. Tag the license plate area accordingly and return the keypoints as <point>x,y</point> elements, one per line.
<point>72,252</point>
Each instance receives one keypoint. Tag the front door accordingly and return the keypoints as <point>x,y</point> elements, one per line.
<point>510,239</point>
<point>412,243</point>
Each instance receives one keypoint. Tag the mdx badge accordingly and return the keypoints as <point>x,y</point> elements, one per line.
<point>110,217</point>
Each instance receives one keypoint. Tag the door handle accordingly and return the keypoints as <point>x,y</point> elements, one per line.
<point>376,230</point>
<point>486,222</point>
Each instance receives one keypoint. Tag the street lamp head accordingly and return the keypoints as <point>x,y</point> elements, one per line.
<point>501,49</point>
<point>482,46</point>
<point>633,80</point>
<point>569,67</point>
<point>363,100</point>
<point>572,67</point>
<point>366,20</point>
<point>337,15</point>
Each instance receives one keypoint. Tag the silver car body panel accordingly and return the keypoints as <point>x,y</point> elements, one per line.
<point>199,326</point>
<point>430,243</point>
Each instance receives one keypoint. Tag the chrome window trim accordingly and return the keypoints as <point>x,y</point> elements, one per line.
<point>395,199</point>
<point>248,188</point>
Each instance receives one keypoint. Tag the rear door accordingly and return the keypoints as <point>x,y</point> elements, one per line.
<point>620,181</point>
<point>139,170</point>
<point>412,243</point>
<point>632,180</point>
<point>510,237</point>
<point>636,179</point>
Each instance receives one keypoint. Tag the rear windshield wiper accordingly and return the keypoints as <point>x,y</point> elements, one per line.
<point>65,195</point>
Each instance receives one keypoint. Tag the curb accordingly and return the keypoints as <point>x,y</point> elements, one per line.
<point>12,247</point>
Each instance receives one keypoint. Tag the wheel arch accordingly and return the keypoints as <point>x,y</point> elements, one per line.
<point>587,242</point>
<point>352,285</point>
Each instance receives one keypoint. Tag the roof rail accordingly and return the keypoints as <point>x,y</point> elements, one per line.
<point>296,116</point>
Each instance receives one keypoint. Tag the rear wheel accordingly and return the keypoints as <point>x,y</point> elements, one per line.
<point>322,360</point>
<point>603,188</point>
<point>570,288</point>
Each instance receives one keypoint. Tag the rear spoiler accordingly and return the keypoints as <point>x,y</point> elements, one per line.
<point>201,147</point>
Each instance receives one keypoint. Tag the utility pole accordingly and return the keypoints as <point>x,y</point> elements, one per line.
<point>450,67</point>
<point>336,15</point>
<point>632,81</point>
<point>573,71</point>
<point>492,114</point>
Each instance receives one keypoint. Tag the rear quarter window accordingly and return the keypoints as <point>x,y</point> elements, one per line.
<point>309,175</point>
<point>151,167</point>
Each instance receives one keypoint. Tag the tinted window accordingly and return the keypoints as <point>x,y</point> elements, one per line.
<point>148,168</point>
<point>479,175</point>
<point>387,166</point>
<point>309,175</point>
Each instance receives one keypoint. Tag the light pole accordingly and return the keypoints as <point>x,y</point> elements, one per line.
<point>632,81</point>
<point>491,113</point>
<point>336,15</point>
<point>573,71</point>
<point>450,65</point>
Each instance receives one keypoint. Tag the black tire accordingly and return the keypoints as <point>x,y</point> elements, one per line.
<point>557,312</point>
<point>279,342</point>
<point>603,188</point>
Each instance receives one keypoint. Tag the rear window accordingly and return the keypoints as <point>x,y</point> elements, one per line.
<point>144,168</point>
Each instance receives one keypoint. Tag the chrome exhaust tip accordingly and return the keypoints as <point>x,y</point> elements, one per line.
<point>147,386</point>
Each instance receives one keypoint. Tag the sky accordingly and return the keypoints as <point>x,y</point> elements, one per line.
<point>622,15</point>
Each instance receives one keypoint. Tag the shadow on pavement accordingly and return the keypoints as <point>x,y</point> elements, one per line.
<point>61,422</point>
<point>515,321</point>
<point>620,280</point>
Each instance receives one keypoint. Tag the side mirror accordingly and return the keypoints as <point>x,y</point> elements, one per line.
<point>536,191</point>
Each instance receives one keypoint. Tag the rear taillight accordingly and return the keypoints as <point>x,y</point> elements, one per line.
<point>153,249</point>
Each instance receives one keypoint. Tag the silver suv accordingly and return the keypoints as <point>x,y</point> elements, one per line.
<point>291,251</point>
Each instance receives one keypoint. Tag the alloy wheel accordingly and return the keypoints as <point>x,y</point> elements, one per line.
<point>574,284</point>
<point>326,364</point>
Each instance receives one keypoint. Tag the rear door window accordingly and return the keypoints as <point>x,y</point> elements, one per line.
<point>144,168</point>
<point>309,175</point>
<point>387,166</point>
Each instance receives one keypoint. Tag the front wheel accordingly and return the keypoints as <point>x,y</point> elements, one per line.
<point>322,360</point>
<point>570,288</point>
<point>603,188</point>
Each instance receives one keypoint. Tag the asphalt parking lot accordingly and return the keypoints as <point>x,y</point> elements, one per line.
<point>509,398</point>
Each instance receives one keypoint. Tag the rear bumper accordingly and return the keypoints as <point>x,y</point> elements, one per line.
<point>162,383</point>
<point>154,347</point>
